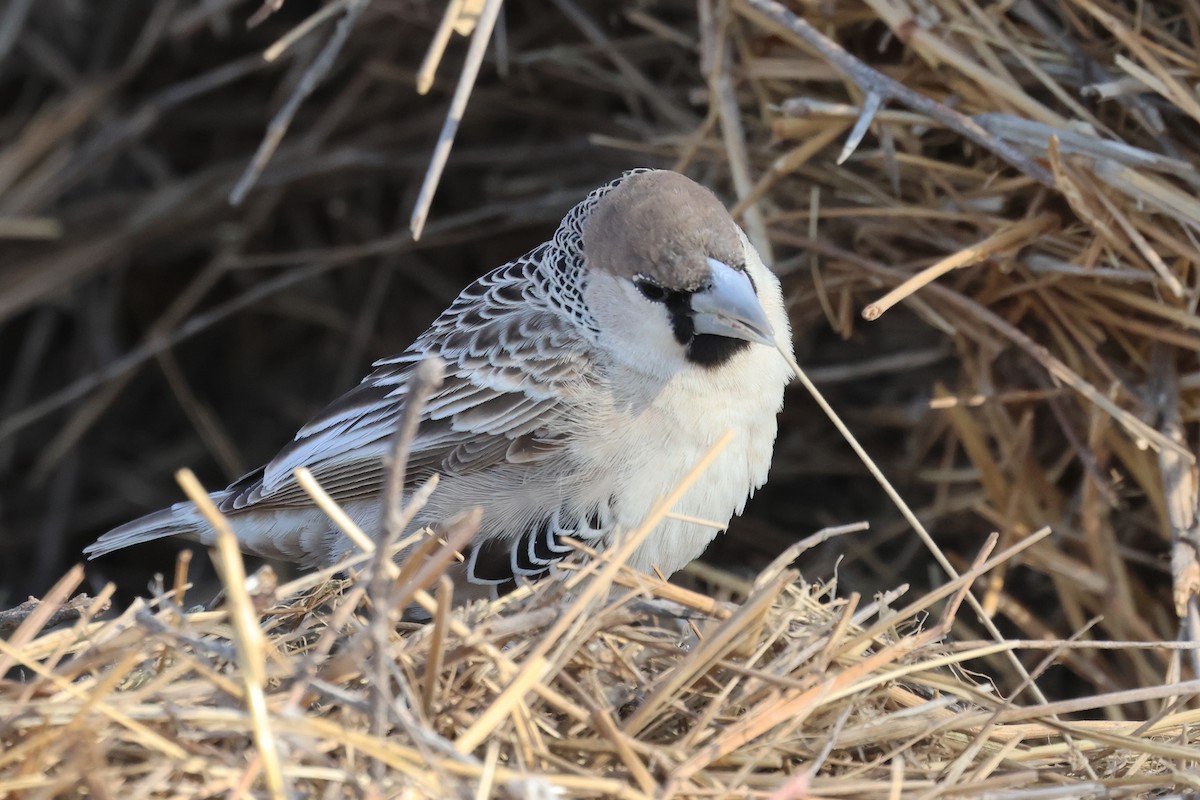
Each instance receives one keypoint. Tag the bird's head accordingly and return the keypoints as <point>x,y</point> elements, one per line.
<point>669,276</point>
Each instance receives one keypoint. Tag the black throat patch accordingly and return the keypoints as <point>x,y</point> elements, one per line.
<point>703,349</point>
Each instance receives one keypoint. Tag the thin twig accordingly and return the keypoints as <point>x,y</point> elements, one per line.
<point>303,29</point>
<point>879,88</point>
<point>249,636</point>
<point>718,52</point>
<point>458,107</point>
<point>437,46</point>
<point>308,82</point>
<point>425,379</point>
<point>11,618</point>
<point>1007,238</point>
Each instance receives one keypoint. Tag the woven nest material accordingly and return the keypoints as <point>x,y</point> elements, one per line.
<point>569,688</point>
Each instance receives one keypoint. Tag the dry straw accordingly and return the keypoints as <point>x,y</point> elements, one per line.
<point>569,688</point>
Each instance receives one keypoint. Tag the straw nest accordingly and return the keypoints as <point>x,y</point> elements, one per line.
<point>985,220</point>
<point>571,688</point>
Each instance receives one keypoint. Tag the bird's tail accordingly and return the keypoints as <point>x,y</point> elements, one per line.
<point>181,519</point>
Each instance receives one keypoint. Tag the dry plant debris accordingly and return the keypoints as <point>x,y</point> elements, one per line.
<point>1071,301</point>
<point>591,686</point>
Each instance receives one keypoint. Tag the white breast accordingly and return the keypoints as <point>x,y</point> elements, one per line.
<point>641,452</point>
<point>647,445</point>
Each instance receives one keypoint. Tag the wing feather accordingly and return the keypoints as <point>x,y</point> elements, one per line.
<point>511,357</point>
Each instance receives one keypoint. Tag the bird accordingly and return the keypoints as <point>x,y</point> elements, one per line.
<point>583,381</point>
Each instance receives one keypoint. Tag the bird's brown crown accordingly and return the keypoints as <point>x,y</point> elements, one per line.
<point>663,226</point>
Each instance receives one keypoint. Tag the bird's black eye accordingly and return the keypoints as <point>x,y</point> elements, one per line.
<point>650,290</point>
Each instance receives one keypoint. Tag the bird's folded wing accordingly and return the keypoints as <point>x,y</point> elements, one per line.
<point>510,359</point>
